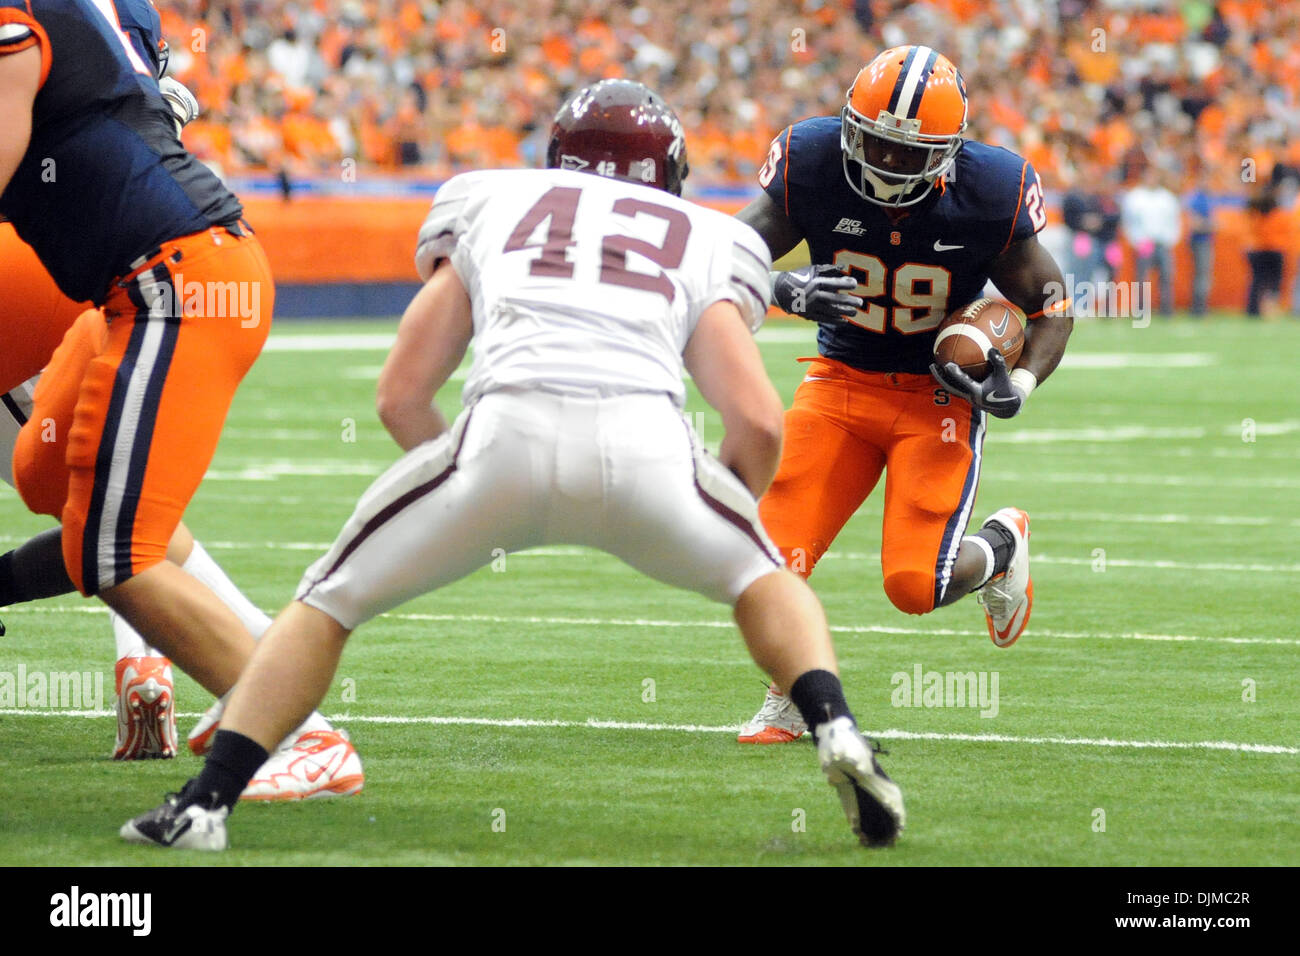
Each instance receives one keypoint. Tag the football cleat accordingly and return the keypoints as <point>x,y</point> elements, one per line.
<point>872,802</point>
<point>146,715</point>
<point>1009,597</point>
<point>200,738</point>
<point>180,824</point>
<point>778,721</point>
<point>320,763</point>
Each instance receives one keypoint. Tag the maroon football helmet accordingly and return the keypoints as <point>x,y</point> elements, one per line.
<point>623,130</point>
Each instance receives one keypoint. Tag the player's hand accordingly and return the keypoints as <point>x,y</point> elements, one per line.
<point>185,108</point>
<point>997,395</point>
<point>818,293</point>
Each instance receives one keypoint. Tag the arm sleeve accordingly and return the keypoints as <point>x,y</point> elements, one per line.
<point>20,31</point>
<point>443,226</point>
<point>1031,212</point>
<point>740,276</point>
<point>774,176</point>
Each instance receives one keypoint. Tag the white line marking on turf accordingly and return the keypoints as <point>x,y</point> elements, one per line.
<point>594,724</point>
<point>725,625</point>
<point>1116,360</point>
<point>837,629</point>
<point>1125,433</point>
<point>577,552</point>
<point>331,342</point>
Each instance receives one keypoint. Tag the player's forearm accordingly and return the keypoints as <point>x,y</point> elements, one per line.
<point>412,423</point>
<point>752,452</point>
<point>1045,340</point>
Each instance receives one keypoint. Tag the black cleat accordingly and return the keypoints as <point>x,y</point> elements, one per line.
<point>872,802</point>
<point>181,823</point>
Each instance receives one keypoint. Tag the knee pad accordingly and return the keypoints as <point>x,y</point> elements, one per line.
<point>911,591</point>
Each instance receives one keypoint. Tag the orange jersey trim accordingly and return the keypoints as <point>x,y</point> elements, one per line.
<point>38,38</point>
<point>1056,308</point>
<point>1020,201</point>
<point>785,173</point>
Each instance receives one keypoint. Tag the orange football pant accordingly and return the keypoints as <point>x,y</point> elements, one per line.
<point>846,427</point>
<point>34,314</point>
<point>127,415</point>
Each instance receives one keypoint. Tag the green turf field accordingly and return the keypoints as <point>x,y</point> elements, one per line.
<point>1151,714</point>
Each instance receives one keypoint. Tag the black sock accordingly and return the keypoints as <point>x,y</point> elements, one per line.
<point>8,588</point>
<point>1002,543</point>
<point>820,698</point>
<point>35,570</point>
<point>231,764</point>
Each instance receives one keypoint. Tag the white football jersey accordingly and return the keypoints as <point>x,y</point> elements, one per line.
<point>586,285</point>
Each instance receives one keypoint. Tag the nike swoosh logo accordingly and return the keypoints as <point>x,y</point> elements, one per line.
<point>1001,328</point>
<point>941,247</point>
<point>177,829</point>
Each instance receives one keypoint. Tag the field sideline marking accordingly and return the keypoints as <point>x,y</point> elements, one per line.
<point>726,625</point>
<point>592,724</point>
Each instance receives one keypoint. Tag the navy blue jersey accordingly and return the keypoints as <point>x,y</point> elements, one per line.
<point>916,268</point>
<point>143,27</point>
<point>104,180</point>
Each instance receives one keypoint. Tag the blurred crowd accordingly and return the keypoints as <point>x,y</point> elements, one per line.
<point>1102,95</point>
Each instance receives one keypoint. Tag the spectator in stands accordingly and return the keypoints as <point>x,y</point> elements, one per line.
<point>1199,205</point>
<point>1151,220</point>
<point>1081,208</point>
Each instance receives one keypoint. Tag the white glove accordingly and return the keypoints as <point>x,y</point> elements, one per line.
<point>185,107</point>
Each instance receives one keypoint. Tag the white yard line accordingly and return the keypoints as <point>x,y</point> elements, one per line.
<point>320,547</point>
<point>552,621</point>
<point>593,724</point>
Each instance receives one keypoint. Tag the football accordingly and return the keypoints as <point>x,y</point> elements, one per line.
<point>966,336</point>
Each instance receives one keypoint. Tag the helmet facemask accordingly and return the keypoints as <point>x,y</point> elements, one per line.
<point>918,159</point>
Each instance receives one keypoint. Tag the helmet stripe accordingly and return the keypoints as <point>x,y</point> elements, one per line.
<point>899,83</point>
<point>920,83</point>
<point>919,61</point>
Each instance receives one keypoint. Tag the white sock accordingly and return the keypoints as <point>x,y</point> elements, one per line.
<point>129,641</point>
<point>201,566</point>
<point>989,562</point>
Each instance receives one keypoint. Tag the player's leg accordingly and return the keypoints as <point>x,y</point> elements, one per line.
<point>433,517</point>
<point>42,477</point>
<point>785,630</point>
<point>676,514</point>
<point>828,467</point>
<point>34,314</point>
<point>144,688</point>
<point>827,470</point>
<point>928,560</point>
<point>150,409</point>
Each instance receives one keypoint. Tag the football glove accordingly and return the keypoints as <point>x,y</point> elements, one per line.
<point>997,394</point>
<point>818,293</point>
<point>185,108</point>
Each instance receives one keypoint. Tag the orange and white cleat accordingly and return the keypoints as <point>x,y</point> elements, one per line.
<point>200,738</point>
<point>778,721</point>
<point>1009,597</point>
<point>319,763</point>
<point>146,712</point>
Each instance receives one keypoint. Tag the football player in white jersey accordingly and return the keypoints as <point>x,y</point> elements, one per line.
<point>585,287</point>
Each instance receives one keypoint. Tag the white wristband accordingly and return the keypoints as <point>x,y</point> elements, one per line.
<point>1023,381</point>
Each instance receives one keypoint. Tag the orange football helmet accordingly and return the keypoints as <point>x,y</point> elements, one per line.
<point>901,125</point>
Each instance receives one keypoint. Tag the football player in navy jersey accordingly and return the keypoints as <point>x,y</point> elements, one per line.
<point>94,179</point>
<point>905,221</point>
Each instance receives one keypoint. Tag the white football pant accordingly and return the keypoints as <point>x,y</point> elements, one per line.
<point>522,468</point>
